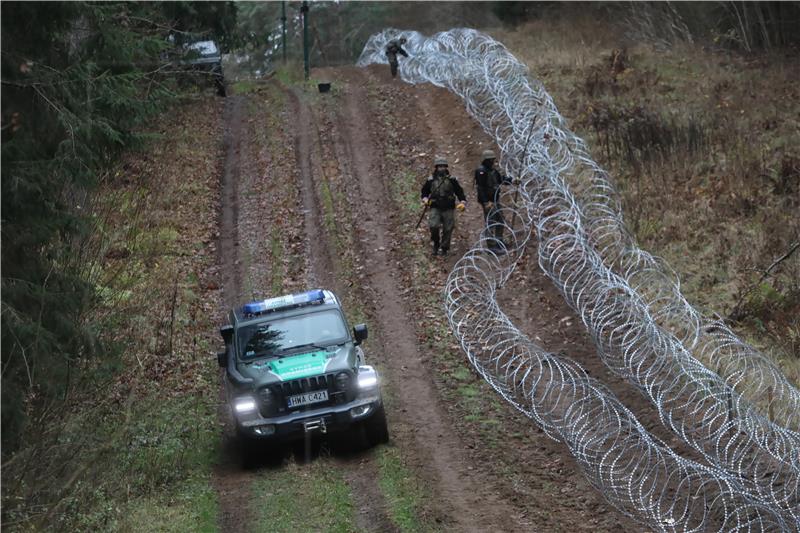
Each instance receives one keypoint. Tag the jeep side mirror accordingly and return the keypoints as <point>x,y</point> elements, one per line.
<point>227,333</point>
<point>360,333</point>
<point>222,358</point>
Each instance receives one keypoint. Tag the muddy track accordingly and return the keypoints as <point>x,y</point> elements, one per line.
<point>541,479</point>
<point>230,480</point>
<point>465,498</point>
<point>360,471</point>
<point>526,481</point>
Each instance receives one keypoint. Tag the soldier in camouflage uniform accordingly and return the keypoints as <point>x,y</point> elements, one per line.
<point>488,181</point>
<point>394,47</point>
<point>439,193</point>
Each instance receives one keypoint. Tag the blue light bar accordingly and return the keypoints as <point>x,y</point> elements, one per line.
<point>281,302</point>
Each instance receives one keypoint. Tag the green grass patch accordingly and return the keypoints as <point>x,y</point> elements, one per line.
<point>145,468</point>
<point>312,497</point>
<point>403,491</point>
<point>327,207</point>
<point>192,507</point>
<point>290,74</point>
<point>245,87</point>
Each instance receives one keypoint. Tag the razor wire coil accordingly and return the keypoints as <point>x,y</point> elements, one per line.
<point>719,395</point>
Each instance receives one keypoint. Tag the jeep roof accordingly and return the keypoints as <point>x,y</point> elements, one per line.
<point>283,306</point>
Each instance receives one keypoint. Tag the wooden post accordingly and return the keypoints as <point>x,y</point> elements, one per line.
<point>304,10</point>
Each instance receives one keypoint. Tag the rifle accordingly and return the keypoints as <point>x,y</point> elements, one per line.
<point>421,216</point>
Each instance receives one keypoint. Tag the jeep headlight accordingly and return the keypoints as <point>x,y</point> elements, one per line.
<point>244,404</point>
<point>367,378</point>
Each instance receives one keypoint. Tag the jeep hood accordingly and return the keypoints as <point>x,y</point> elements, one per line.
<point>299,365</point>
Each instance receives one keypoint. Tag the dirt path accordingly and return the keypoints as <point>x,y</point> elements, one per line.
<point>466,499</point>
<point>229,479</point>
<point>539,476</point>
<point>518,479</point>
<point>360,471</point>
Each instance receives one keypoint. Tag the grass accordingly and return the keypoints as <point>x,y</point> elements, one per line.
<point>312,497</point>
<point>133,444</point>
<point>403,492</point>
<point>245,86</point>
<point>193,507</point>
<point>702,148</point>
<point>150,465</point>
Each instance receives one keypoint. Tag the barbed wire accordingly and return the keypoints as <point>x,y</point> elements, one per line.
<point>716,393</point>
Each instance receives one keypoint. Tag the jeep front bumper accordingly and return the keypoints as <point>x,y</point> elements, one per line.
<point>328,419</point>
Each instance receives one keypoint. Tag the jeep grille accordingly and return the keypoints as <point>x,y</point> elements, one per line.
<point>281,391</point>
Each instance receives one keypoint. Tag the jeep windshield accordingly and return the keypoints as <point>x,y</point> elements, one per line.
<point>285,335</point>
<point>204,48</point>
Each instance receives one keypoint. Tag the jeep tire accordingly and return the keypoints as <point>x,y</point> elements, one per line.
<point>376,428</point>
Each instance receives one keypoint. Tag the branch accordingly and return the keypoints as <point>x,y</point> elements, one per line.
<point>736,312</point>
<point>785,256</point>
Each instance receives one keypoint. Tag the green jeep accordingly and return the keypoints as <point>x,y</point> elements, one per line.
<point>294,370</point>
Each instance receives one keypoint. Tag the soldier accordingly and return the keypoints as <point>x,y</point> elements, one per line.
<point>488,181</point>
<point>395,47</point>
<point>439,193</point>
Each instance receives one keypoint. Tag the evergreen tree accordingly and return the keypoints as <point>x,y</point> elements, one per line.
<point>78,79</point>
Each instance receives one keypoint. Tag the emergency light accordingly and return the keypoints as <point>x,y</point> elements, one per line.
<point>283,302</point>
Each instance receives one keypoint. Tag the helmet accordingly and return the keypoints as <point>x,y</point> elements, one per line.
<point>402,40</point>
<point>487,154</point>
<point>440,161</point>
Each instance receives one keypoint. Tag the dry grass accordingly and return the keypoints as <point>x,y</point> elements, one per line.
<point>702,146</point>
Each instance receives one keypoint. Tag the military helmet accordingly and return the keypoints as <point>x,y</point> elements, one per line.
<point>440,161</point>
<point>488,154</point>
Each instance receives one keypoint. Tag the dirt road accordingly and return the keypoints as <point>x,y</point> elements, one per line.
<point>332,182</point>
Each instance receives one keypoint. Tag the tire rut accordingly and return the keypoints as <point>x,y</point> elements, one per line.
<point>232,484</point>
<point>469,498</point>
<point>361,471</point>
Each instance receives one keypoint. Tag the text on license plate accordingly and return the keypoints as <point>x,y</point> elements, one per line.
<point>307,398</point>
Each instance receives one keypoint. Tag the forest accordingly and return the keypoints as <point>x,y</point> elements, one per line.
<point>89,87</point>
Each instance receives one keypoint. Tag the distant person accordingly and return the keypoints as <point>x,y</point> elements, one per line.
<point>488,181</point>
<point>439,193</point>
<point>395,47</point>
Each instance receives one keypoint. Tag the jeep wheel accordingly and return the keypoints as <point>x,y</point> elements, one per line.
<point>376,428</point>
<point>220,85</point>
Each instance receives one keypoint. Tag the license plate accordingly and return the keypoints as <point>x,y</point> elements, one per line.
<point>308,398</point>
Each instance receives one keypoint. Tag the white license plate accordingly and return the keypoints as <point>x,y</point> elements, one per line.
<point>308,398</point>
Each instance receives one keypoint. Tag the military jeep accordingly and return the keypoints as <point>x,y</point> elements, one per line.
<point>294,370</point>
<point>204,58</point>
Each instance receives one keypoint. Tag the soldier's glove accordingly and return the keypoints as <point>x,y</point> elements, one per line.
<point>460,206</point>
<point>426,202</point>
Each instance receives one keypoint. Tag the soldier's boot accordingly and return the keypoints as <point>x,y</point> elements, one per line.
<point>435,240</point>
<point>446,241</point>
<point>500,244</point>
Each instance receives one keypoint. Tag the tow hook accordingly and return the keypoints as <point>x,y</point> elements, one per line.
<point>314,425</point>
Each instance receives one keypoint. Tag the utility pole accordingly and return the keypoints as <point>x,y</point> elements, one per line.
<point>304,10</point>
<point>283,19</point>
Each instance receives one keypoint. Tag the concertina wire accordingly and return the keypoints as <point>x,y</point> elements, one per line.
<point>716,393</point>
